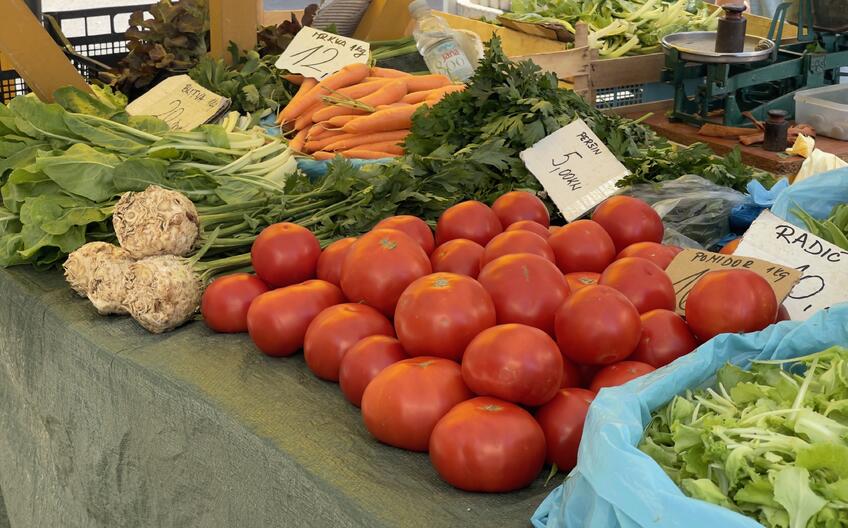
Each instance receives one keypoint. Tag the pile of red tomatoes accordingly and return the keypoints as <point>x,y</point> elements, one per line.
<point>485,344</point>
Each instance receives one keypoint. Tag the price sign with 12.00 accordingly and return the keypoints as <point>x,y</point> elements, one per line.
<point>576,169</point>
<point>317,54</point>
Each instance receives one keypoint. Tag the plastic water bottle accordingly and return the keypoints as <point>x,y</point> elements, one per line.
<point>436,43</point>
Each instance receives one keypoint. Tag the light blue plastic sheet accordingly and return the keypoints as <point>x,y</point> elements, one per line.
<point>816,195</point>
<point>616,485</point>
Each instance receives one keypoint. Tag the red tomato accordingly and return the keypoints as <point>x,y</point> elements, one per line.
<point>570,375</point>
<point>597,326</point>
<point>285,254</point>
<point>731,246</point>
<point>458,256</point>
<point>580,279</point>
<point>404,401</point>
<point>554,229</point>
<point>513,362</point>
<point>619,374</point>
<point>519,205</point>
<point>379,266</point>
<point>730,301</point>
<point>514,242</point>
<point>277,320</point>
<point>782,314</point>
<point>331,260</point>
<point>439,314</point>
<point>488,445</point>
<point>665,337</point>
<point>641,281</point>
<point>582,246</point>
<point>529,225</point>
<point>657,253</point>
<point>527,289</point>
<point>413,226</point>
<point>587,373</point>
<point>363,361</point>
<point>335,330</point>
<point>628,220</point>
<point>470,220</point>
<point>226,300</point>
<point>562,421</point>
<point>674,249</point>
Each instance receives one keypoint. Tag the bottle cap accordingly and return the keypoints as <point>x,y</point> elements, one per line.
<point>416,6</point>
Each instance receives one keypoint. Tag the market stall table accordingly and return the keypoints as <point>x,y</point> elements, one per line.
<point>103,424</point>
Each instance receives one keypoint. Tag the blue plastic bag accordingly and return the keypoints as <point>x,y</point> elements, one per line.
<point>816,195</point>
<point>616,485</point>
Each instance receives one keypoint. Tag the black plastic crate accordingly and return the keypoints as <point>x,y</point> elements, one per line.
<point>108,47</point>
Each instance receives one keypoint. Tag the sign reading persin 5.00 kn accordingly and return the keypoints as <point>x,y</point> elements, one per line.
<point>575,167</point>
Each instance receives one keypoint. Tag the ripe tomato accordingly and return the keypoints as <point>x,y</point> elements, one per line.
<point>413,226</point>
<point>277,320</point>
<point>628,220</point>
<point>379,266</point>
<point>488,445</point>
<point>570,375</point>
<point>730,301</point>
<point>471,220</point>
<point>782,314</point>
<point>363,361</point>
<point>404,401</point>
<point>641,281</point>
<point>285,254</point>
<point>226,300</point>
<point>526,289</point>
<point>731,246</point>
<point>513,362</point>
<point>665,337</point>
<point>554,229</point>
<point>562,421</point>
<point>331,260</point>
<point>657,253</point>
<point>580,279</point>
<point>619,374</point>
<point>514,242</point>
<point>335,330</point>
<point>439,314</point>
<point>519,205</point>
<point>597,326</point>
<point>458,256</point>
<point>582,246</point>
<point>529,225</point>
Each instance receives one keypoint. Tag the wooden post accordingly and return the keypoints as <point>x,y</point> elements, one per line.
<point>233,21</point>
<point>33,54</point>
<point>583,82</point>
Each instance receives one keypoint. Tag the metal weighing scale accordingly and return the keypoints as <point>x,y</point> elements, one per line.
<point>764,75</point>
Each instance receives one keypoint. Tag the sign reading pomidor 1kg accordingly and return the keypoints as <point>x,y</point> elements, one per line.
<point>576,169</point>
<point>824,265</point>
<point>317,54</point>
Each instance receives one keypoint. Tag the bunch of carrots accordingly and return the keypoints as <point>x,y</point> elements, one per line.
<point>360,111</point>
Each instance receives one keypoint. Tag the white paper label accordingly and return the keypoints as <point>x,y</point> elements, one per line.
<point>181,103</point>
<point>576,169</point>
<point>824,265</point>
<point>317,54</point>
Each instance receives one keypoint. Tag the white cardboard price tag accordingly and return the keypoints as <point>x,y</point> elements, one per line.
<point>317,54</point>
<point>576,169</point>
<point>824,265</point>
<point>181,103</point>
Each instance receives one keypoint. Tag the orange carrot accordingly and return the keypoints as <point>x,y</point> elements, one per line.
<point>294,79</point>
<point>321,155</point>
<point>322,143</point>
<point>347,76</point>
<point>419,83</point>
<point>304,120</point>
<point>376,71</point>
<point>349,141</point>
<point>397,118</point>
<point>389,93</point>
<point>440,93</point>
<point>367,154</point>
<point>392,147</point>
<point>296,144</point>
<point>305,87</point>
<point>319,132</point>
<point>355,91</point>
<point>340,121</point>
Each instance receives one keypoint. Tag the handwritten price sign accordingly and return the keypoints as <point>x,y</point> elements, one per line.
<point>576,169</point>
<point>822,263</point>
<point>317,54</point>
<point>181,103</point>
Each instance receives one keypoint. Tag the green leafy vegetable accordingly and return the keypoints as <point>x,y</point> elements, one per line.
<point>834,229</point>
